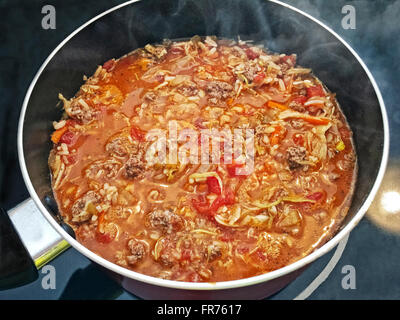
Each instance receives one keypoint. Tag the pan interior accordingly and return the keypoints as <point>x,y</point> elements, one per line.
<point>280,29</point>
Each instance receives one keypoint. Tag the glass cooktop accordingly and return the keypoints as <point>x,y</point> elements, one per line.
<point>363,266</point>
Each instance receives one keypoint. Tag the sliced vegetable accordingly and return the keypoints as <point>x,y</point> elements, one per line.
<point>276,136</point>
<point>56,136</point>
<point>276,105</point>
<point>340,146</point>
<point>295,198</point>
<point>310,119</point>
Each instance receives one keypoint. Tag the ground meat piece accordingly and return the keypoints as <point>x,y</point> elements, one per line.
<point>295,155</point>
<point>78,109</point>
<point>250,71</point>
<point>297,106</point>
<point>188,90</point>
<point>134,167</point>
<point>80,210</point>
<point>157,51</point>
<point>165,220</point>
<point>108,168</point>
<point>167,260</point>
<point>213,252</point>
<point>218,90</point>
<point>117,147</point>
<point>137,251</point>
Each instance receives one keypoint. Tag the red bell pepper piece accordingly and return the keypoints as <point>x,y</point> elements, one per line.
<point>213,185</point>
<point>315,91</point>
<point>138,134</point>
<point>251,54</point>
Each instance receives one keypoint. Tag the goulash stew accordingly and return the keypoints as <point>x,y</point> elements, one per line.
<point>204,160</point>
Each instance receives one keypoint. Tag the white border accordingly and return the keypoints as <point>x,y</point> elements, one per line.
<point>225,284</point>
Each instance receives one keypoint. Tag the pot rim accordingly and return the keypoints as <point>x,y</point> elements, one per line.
<point>216,285</point>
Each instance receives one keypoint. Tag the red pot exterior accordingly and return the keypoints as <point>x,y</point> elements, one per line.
<point>251,292</point>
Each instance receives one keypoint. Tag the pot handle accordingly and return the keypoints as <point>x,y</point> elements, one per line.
<point>27,242</point>
<point>16,265</point>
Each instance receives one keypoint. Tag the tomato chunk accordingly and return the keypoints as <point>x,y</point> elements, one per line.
<point>251,54</point>
<point>229,196</point>
<point>203,207</point>
<point>298,139</point>
<point>315,91</point>
<point>316,196</point>
<point>259,78</point>
<point>300,99</point>
<point>231,168</point>
<point>213,185</point>
<point>68,137</point>
<point>103,237</point>
<point>138,134</point>
<point>108,65</point>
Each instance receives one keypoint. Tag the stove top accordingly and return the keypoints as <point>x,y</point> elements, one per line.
<point>363,266</point>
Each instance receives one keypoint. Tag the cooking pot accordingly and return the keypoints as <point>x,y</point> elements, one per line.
<point>281,28</point>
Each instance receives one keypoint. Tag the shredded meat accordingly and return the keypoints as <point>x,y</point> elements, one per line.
<point>295,155</point>
<point>218,90</point>
<point>137,251</point>
<point>165,220</point>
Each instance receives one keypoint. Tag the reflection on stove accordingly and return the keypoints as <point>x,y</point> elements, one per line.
<point>385,209</point>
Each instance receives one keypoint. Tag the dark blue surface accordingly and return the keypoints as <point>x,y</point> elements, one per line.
<point>372,251</point>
